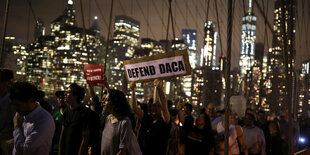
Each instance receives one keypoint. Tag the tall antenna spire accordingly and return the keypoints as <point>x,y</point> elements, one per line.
<point>250,7</point>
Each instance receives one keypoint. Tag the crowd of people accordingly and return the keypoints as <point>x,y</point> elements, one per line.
<point>113,126</point>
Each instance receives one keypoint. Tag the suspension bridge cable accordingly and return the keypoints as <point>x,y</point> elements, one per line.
<point>4,29</point>
<point>147,15</point>
<point>122,8</point>
<point>28,25</point>
<point>160,16</point>
<point>89,13</point>
<point>307,30</point>
<point>167,31</point>
<point>108,37</point>
<point>234,54</point>
<point>131,8</point>
<point>219,27</point>
<point>101,14</point>
<point>182,15</point>
<point>267,11</point>
<point>262,13</point>
<point>235,44</point>
<point>171,17</point>
<point>171,12</point>
<point>265,26</point>
<point>163,12</point>
<point>32,11</point>
<point>190,12</point>
<point>148,24</point>
<point>227,76</point>
<point>207,10</point>
<point>198,12</point>
<point>84,30</point>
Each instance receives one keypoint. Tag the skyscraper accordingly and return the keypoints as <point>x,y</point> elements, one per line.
<point>248,38</point>
<point>125,40</point>
<point>284,18</point>
<point>190,38</point>
<point>210,55</point>
<point>303,106</point>
<point>58,59</point>
<point>127,30</point>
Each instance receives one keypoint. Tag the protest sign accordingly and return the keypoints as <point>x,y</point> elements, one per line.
<point>159,66</point>
<point>94,74</point>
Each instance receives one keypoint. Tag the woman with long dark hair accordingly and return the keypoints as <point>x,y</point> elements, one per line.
<point>117,135</point>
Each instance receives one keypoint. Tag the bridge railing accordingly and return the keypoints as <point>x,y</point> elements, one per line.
<point>303,152</point>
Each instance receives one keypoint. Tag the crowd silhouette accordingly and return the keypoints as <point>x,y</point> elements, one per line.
<point>110,125</point>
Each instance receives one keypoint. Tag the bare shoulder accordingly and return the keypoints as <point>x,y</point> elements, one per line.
<point>238,129</point>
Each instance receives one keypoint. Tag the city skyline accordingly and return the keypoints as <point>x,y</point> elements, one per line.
<point>184,20</point>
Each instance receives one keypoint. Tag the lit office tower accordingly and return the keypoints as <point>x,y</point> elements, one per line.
<point>154,47</point>
<point>248,38</point>
<point>210,55</point>
<point>303,106</point>
<point>125,41</point>
<point>183,83</point>
<point>58,59</point>
<point>284,18</point>
<point>127,31</point>
<point>190,38</point>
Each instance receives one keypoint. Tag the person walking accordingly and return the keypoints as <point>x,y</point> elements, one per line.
<point>254,136</point>
<point>33,126</point>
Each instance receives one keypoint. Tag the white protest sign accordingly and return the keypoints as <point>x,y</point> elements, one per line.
<point>159,66</point>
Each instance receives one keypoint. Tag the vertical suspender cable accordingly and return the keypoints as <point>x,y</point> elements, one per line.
<point>89,13</point>
<point>218,23</point>
<point>145,18</point>
<point>160,16</point>
<point>147,15</point>
<point>4,29</point>
<point>28,25</point>
<point>265,17</point>
<point>207,10</point>
<point>84,30</point>
<point>227,76</point>
<point>108,37</point>
<point>292,85</point>
<point>101,14</point>
<point>163,27</point>
<point>172,20</point>
<point>131,8</point>
<point>207,16</point>
<point>167,32</point>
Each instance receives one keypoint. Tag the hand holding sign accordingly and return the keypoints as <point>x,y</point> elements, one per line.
<point>94,75</point>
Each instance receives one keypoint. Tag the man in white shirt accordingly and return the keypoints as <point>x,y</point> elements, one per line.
<point>33,126</point>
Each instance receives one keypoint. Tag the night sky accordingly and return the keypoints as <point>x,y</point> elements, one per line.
<point>188,14</point>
